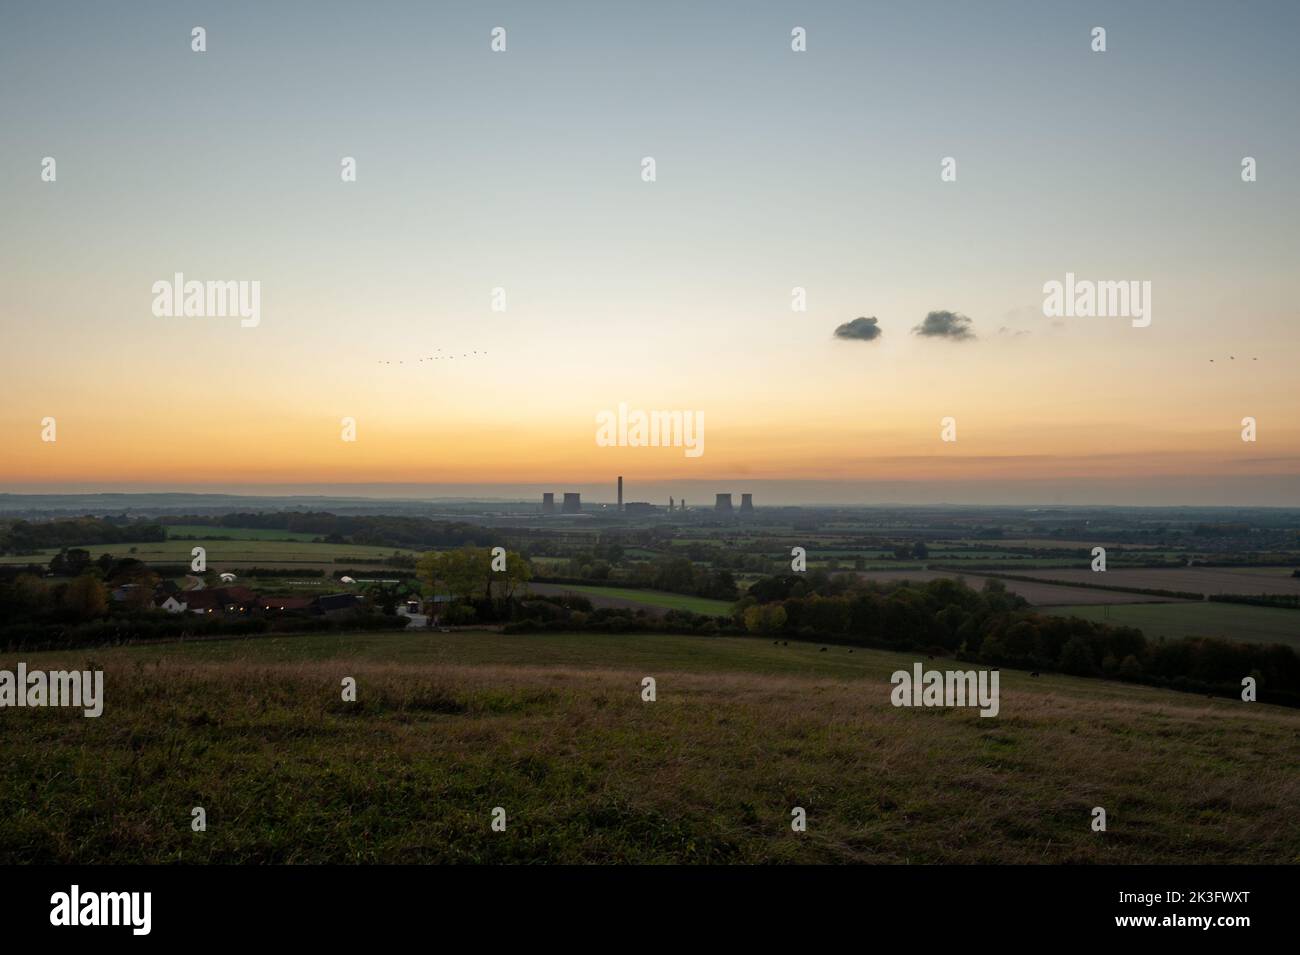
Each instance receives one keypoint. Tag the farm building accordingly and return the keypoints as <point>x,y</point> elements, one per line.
<point>284,604</point>
<point>334,604</point>
<point>172,603</point>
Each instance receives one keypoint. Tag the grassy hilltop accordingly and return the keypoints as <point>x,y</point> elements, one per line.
<point>553,729</point>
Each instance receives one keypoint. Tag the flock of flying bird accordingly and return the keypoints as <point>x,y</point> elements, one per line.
<point>470,354</point>
<point>1233,358</point>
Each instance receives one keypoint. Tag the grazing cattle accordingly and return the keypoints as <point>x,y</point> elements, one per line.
<point>1035,673</point>
<point>822,650</point>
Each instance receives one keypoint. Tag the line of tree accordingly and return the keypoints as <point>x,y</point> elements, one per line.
<point>28,537</point>
<point>1085,585</point>
<point>417,533</point>
<point>1284,601</point>
<point>678,575</point>
<point>997,627</point>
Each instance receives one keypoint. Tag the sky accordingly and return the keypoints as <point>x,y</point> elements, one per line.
<point>774,169</point>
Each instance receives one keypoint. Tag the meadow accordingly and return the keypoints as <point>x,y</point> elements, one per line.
<point>553,729</point>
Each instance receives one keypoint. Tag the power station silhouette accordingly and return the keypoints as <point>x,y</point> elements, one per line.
<point>572,503</point>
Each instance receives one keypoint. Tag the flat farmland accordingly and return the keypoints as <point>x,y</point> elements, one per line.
<point>1037,593</point>
<point>230,553</point>
<point>631,598</point>
<point>1237,622</point>
<point>1052,543</point>
<point>1012,564</point>
<point>1202,580</point>
<point>1284,571</point>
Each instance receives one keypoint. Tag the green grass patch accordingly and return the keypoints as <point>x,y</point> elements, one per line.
<point>655,598</point>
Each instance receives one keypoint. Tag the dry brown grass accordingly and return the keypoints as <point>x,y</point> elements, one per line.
<point>589,772</point>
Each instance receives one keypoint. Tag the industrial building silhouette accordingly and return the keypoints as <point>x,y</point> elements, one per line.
<point>572,503</point>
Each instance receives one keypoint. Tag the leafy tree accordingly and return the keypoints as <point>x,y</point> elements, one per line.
<point>460,614</point>
<point>1130,668</point>
<point>675,574</point>
<point>467,572</point>
<point>458,571</point>
<point>85,598</point>
<point>765,618</point>
<point>140,597</point>
<point>385,596</point>
<point>1076,657</point>
<point>1020,640</point>
<point>70,562</point>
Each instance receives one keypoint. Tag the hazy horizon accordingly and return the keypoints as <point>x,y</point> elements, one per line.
<point>697,494</point>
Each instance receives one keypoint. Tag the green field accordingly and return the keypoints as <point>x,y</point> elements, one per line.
<point>552,728</point>
<point>229,553</point>
<point>1240,622</point>
<point>206,531</point>
<point>656,598</point>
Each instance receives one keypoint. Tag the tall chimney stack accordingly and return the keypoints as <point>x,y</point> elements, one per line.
<point>620,492</point>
